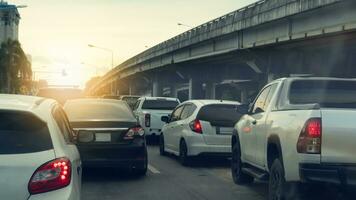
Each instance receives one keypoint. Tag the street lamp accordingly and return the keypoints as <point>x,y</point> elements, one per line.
<point>180,24</point>
<point>105,49</point>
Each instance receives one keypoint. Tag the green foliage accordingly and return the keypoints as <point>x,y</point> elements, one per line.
<point>15,69</point>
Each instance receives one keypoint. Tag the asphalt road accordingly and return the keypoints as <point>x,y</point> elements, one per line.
<point>166,179</point>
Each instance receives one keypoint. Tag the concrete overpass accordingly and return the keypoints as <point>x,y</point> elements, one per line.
<point>232,56</point>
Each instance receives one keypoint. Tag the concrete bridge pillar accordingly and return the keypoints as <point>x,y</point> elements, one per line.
<point>209,90</point>
<point>195,89</point>
<point>156,87</point>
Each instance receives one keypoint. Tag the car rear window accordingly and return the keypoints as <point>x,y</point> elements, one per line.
<point>160,104</point>
<point>327,93</point>
<point>22,132</point>
<point>97,110</point>
<point>225,115</point>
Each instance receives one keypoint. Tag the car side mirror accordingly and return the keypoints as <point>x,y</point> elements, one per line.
<point>165,119</point>
<point>258,110</point>
<point>243,108</point>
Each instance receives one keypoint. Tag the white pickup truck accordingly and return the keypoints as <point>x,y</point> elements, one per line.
<point>298,130</point>
<point>150,110</point>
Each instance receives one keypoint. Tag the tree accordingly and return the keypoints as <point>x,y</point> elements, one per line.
<point>15,69</point>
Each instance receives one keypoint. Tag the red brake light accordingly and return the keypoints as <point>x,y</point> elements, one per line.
<point>132,132</point>
<point>50,176</point>
<point>310,138</point>
<point>196,126</point>
<point>314,128</point>
<point>147,120</point>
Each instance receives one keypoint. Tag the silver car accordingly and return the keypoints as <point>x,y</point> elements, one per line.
<point>38,158</point>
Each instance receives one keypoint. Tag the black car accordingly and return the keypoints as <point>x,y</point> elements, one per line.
<point>108,134</point>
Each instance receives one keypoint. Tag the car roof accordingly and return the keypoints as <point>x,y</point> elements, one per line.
<point>93,100</point>
<point>130,96</point>
<point>212,101</point>
<point>313,78</point>
<point>36,105</point>
<point>159,98</point>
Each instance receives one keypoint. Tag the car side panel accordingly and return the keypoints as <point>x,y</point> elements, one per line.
<point>287,125</point>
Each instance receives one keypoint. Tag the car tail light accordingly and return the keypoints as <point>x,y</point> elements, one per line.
<point>132,132</point>
<point>310,138</point>
<point>50,176</point>
<point>196,126</point>
<point>147,120</point>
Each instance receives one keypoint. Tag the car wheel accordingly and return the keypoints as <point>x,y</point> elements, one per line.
<point>162,151</point>
<point>183,153</point>
<point>238,175</point>
<point>279,189</point>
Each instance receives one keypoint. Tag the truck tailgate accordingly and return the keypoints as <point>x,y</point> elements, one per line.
<point>338,136</point>
<point>156,115</point>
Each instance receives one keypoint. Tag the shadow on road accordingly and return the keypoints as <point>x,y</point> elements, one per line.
<point>210,162</point>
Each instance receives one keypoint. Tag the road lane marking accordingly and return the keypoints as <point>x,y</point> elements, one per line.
<point>153,169</point>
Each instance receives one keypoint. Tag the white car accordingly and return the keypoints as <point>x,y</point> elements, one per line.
<point>149,110</point>
<point>199,127</point>
<point>38,159</point>
<point>298,130</point>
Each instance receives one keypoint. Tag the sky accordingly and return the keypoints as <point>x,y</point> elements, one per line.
<point>56,33</point>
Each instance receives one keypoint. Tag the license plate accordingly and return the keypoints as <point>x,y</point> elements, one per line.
<point>102,137</point>
<point>224,130</point>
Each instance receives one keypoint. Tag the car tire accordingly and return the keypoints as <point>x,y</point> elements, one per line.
<point>239,177</point>
<point>278,188</point>
<point>162,150</point>
<point>183,153</point>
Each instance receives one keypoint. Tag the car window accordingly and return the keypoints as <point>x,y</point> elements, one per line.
<point>260,101</point>
<point>62,123</point>
<point>188,110</point>
<point>22,132</point>
<point>83,110</point>
<point>225,115</point>
<point>176,114</point>
<point>159,104</point>
<point>137,104</point>
<point>327,93</point>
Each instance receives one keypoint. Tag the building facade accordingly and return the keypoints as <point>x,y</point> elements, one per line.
<point>9,22</point>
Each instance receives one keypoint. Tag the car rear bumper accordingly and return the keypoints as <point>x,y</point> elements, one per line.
<point>118,156</point>
<point>210,150</point>
<point>152,131</point>
<point>68,193</point>
<point>329,173</point>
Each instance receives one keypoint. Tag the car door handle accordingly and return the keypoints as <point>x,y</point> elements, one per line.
<point>254,122</point>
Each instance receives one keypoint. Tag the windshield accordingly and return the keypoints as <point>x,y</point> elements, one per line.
<point>91,111</point>
<point>159,104</point>
<point>332,94</point>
